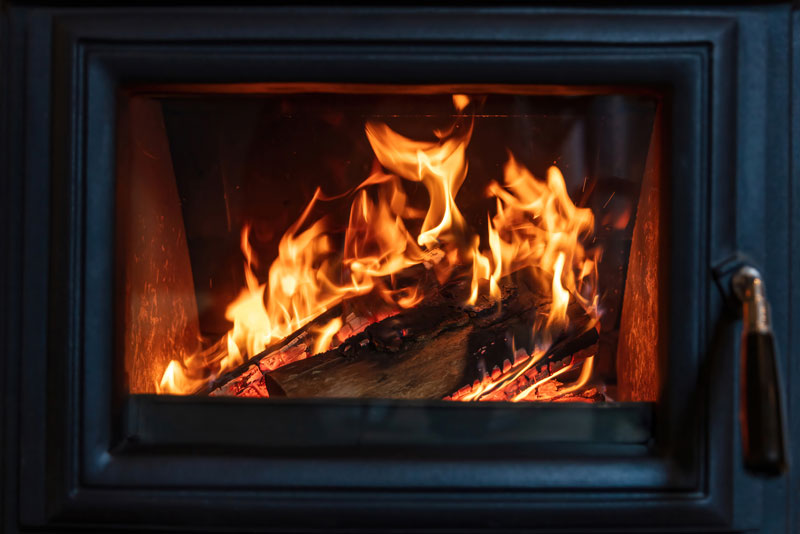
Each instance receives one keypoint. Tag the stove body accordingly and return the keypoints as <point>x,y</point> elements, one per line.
<point>78,455</point>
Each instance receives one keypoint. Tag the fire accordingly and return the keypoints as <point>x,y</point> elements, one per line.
<point>535,229</point>
<point>558,308</point>
<point>542,228</point>
<point>481,269</point>
<point>176,379</point>
<point>326,335</point>
<point>441,166</point>
<point>377,243</point>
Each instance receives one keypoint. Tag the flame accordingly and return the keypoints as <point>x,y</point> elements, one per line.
<point>536,229</point>
<point>233,356</point>
<point>376,242</point>
<point>460,102</point>
<point>497,255</point>
<point>176,378</point>
<point>541,224</point>
<point>524,394</point>
<point>481,269</point>
<point>586,373</point>
<point>441,166</point>
<point>326,335</point>
<point>301,281</point>
<point>558,308</point>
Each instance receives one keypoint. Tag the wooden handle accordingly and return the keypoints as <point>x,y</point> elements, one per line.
<point>763,431</point>
<point>762,413</point>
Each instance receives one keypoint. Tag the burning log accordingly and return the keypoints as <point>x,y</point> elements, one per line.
<point>431,351</point>
<point>247,380</point>
<point>356,314</point>
<point>428,370</point>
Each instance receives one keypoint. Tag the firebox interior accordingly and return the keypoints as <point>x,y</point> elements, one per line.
<point>222,188</point>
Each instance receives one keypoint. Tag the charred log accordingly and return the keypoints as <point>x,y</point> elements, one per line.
<point>432,351</point>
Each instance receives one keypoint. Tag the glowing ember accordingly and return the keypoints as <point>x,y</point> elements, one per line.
<point>536,231</point>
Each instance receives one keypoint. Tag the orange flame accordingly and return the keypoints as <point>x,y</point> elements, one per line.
<point>540,223</point>
<point>536,228</point>
<point>441,166</point>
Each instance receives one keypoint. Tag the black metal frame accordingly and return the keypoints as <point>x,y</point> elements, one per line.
<point>726,71</point>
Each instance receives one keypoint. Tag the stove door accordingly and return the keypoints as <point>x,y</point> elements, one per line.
<point>89,454</point>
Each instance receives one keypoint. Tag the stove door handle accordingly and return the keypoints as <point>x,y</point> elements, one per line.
<point>762,411</point>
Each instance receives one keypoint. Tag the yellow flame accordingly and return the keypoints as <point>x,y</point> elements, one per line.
<point>497,255</point>
<point>481,270</point>
<point>326,335</point>
<point>460,102</point>
<point>558,307</point>
<point>176,379</point>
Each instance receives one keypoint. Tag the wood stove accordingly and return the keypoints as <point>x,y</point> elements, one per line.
<point>477,268</point>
